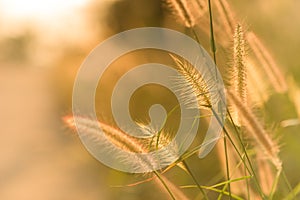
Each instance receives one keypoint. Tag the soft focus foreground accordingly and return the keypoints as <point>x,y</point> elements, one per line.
<point>40,55</point>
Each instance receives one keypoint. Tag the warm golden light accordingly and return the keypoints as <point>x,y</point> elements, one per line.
<point>36,9</point>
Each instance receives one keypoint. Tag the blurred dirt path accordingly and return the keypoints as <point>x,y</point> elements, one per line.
<point>36,160</point>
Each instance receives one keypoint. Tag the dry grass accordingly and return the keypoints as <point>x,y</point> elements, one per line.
<point>249,148</point>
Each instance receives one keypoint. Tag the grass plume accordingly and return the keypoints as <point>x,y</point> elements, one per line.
<point>227,16</point>
<point>256,130</point>
<point>194,82</point>
<point>238,75</point>
<point>272,71</point>
<point>265,173</point>
<point>239,66</point>
<point>187,11</point>
<point>249,155</point>
<point>126,143</point>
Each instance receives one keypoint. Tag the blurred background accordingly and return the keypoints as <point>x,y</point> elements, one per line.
<point>42,45</point>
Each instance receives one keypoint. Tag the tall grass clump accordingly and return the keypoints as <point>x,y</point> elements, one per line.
<point>249,153</point>
<point>127,143</point>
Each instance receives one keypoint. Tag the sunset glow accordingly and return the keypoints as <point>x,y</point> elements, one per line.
<point>37,9</point>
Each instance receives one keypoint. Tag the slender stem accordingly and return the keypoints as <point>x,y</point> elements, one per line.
<point>164,184</point>
<point>231,141</point>
<point>214,49</point>
<point>195,35</point>
<point>274,186</point>
<point>195,180</point>
<point>294,192</point>
<point>223,192</point>
<point>247,157</point>
<point>227,167</point>
<point>287,183</point>
<point>212,37</point>
<point>247,184</point>
<point>244,149</point>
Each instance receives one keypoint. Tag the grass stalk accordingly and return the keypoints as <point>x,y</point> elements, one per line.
<point>195,180</point>
<point>256,131</point>
<point>164,184</point>
<point>212,35</point>
<point>120,139</point>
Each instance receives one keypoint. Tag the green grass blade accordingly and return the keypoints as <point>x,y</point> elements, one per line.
<point>293,194</point>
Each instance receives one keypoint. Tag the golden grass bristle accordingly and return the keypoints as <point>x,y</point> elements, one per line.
<point>237,170</point>
<point>178,194</point>
<point>256,131</point>
<point>117,137</point>
<point>294,94</point>
<point>187,11</point>
<point>114,137</point>
<point>272,71</point>
<point>238,78</point>
<point>265,174</point>
<point>124,141</point>
<point>182,11</point>
<point>226,16</point>
<point>258,86</point>
<point>194,80</point>
<point>239,66</point>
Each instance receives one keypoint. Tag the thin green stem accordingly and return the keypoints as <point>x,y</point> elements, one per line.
<point>247,184</point>
<point>212,37</point>
<point>163,125</point>
<point>195,35</point>
<point>164,184</point>
<point>246,154</point>
<point>195,180</point>
<point>287,182</point>
<point>231,181</point>
<point>232,142</point>
<point>274,186</point>
<point>223,192</point>
<point>227,167</point>
<point>293,194</point>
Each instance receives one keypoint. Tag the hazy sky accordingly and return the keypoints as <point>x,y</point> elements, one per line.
<point>48,16</point>
<point>38,9</point>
